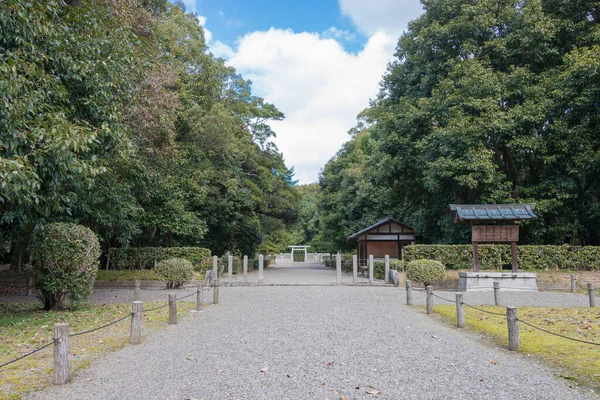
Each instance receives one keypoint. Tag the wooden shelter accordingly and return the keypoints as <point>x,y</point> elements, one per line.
<point>496,214</point>
<point>386,237</point>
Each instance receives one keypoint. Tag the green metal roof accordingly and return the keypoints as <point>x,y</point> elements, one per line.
<point>493,212</point>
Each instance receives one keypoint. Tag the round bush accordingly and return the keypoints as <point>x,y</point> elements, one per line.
<point>426,272</point>
<point>64,258</point>
<point>176,271</point>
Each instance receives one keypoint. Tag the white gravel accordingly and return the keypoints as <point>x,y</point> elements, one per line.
<point>317,343</point>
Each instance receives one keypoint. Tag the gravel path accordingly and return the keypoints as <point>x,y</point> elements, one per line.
<point>317,343</point>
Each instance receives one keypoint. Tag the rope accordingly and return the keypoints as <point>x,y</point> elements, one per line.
<point>557,334</point>
<point>185,297</point>
<point>100,327</point>
<point>26,355</point>
<point>484,311</point>
<point>441,298</point>
<point>157,308</point>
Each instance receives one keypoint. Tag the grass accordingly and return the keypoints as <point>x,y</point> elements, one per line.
<point>25,327</point>
<point>576,361</point>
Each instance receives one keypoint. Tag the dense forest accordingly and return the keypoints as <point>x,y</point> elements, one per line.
<point>486,101</point>
<point>115,115</point>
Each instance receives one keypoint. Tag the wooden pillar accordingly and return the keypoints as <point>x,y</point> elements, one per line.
<point>408,293</point>
<point>172,309</point>
<point>460,311</point>
<point>261,261</point>
<point>230,266</point>
<point>245,267</point>
<point>371,271</point>
<point>513,328</point>
<point>199,297</point>
<point>387,269</point>
<point>429,290</point>
<point>60,374</point>
<point>354,268</point>
<point>338,269</point>
<point>135,331</point>
<point>515,266</point>
<point>475,257</point>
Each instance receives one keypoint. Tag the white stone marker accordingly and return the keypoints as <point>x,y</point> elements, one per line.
<point>387,269</point>
<point>338,269</point>
<point>354,268</point>
<point>371,266</point>
<point>230,266</point>
<point>261,260</point>
<point>245,269</point>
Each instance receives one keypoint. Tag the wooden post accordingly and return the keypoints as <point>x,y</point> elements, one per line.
<point>215,268</point>
<point>513,249</point>
<point>460,311</point>
<point>371,266</point>
<point>497,293</point>
<point>573,279</point>
<point>216,293</point>
<point>591,291</point>
<point>513,328</point>
<point>199,297</point>
<point>387,269</point>
<point>29,286</point>
<point>338,269</point>
<point>245,266</point>
<point>229,266</point>
<point>135,331</point>
<point>172,309</point>
<point>261,277</point>
<point>475,257</point>
<point>136,290</point>
<point>429,290</point>
<point>60,375</point>
<point>408,293</point>
<point>354,268</point>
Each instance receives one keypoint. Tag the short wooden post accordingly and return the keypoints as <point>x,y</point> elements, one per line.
<point>408,293</point>
<point>215,268</point>
<point>592,294</point>
<point>60,375</point>
<point>172,309</point>
<point>199,297</point>
<point>216,293</point>
<point>230,266</point>
<point>136,290</point>
<point>245,266</point>
<point>354,268</point>
<point>338,269</point>
<point>497,293</point>
<point>261,265</point>
<point>29,286</point>
<point>429,290</point>
<point>371,266</point>
<point>573,279</point>
<point>513,328</point>
<point>135,331</point>
<point>387,269</point>
<point>460,311</point>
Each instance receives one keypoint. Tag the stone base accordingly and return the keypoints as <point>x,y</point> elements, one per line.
<point>484,281</point>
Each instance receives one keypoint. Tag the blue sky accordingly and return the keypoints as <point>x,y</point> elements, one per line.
<point>319,62</point>
<point>231,19</point>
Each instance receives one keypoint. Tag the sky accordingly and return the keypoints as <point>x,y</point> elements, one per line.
<point>317,61</point>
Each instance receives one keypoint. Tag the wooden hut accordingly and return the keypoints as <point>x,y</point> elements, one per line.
<point>386,237</point>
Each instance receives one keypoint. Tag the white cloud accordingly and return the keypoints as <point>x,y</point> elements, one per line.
<point>390,16</point>
<point>335,33</point>
<point>317,84</point>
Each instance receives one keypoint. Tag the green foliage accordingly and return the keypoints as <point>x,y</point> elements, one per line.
<point>486,102</point>
<point>64,257</point>
<point>426,272</point>
<point>147,257</point>
<point>176,271</point>
<point>567,257</point>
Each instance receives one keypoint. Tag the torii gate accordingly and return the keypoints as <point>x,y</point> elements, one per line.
<point>299,248</point>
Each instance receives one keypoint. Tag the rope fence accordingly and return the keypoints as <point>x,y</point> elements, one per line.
<point>511,313</point>
<point>61,371</point>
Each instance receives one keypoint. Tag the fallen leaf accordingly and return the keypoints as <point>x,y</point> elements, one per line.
<point>374,391</point>
<point>495,362</point>
<point>265,369</point>
<point>356,387</point>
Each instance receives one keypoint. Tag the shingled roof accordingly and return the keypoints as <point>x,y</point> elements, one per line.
<point>493,212</point>
<point>376,225</point>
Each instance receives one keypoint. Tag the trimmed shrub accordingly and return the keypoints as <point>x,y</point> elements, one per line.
<point>176,271</point>
<point>148,257</point>
<point>586,258</point>
<point>426,272</point>
<point>64,260</point>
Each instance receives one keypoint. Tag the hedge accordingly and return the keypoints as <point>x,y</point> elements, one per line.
<point>567,257</point>
<point>147,257</point>
<point>378,266</point>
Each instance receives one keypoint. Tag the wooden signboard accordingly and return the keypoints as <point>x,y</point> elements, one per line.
<point>495,233</point>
